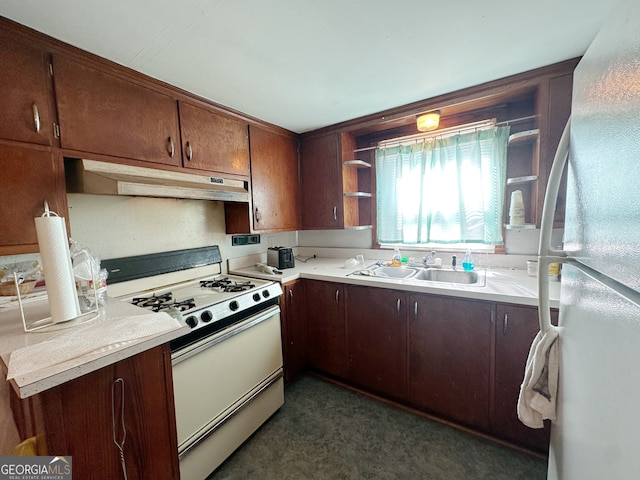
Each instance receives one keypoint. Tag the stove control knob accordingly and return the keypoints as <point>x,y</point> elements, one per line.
<point>265,293</point>
<point>206,316</point>
<point>192,321</point>
<point>234,306</point>
<point>256,297</point>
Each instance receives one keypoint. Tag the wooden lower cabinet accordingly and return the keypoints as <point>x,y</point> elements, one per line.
<point>377,339</point>
<point>30,175</point>
<point>77,419</point>
<point>294,332</point>
<point>516,327</point>
<point>326,333</point>
<point>450,357</point>
<point>458,359</point>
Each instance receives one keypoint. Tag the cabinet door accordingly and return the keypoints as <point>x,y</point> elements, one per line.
<point>515,330</point>
<point>449,357</point>
<point>212,141</point>
<point>294,333</point>
<point>26,114</point>
<point>105,114</point>
<point>326,335</point>
<point>274,181</point>
<point>321,169</point>
<point>377,339</point>
<point>29,177</point>
<point>77,418</point>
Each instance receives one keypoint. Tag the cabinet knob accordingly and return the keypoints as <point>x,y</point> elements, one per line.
<point>505,323</point>
<point>258,215</point>
<point>172,147</point>
<point>335,213</point>
<point>398,306</point>
<point>290,296</point>
<point>415,310</point>
<point>337,296</point>
<point>36,118</point>
<point>189,152</point>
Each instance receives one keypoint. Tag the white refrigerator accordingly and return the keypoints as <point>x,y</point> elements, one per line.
<point>597,431</point>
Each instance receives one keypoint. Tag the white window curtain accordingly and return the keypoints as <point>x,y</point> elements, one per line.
<point>443,190</point>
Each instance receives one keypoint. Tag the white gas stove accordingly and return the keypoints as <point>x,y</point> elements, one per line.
<point>211,302</point>
<point>227,371</point>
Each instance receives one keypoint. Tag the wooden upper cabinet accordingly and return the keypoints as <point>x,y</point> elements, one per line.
<point>213,141</point>
<point>26,112</point>
<point>29,177</point>
<point>321,174</point>
<point>105,114</point>
<point>336,187</point>
<point>274,180</point>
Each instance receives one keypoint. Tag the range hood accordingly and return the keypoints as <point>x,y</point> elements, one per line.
<point>104,178</point>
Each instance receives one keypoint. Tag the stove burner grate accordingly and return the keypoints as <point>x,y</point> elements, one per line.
<point>239,287</point>
<point>159,303</point>
<point>227,285</point>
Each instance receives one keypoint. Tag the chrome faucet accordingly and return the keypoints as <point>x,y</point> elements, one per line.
<point>429,260</point>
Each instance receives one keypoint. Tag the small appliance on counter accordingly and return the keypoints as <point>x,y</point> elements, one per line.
<point>280,257</point>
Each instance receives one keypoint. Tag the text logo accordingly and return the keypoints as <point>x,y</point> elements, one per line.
<point>35,468</point>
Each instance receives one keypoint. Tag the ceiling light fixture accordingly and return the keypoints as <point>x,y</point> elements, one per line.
<point>428,121</point>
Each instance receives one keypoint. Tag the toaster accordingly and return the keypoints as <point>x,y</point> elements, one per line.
<point>280,257</point>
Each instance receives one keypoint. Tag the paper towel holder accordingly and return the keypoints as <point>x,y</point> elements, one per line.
<point>47,322</point>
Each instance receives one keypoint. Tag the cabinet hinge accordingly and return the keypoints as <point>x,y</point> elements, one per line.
<point>56,130</point>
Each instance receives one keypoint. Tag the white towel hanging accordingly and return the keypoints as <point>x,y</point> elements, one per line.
<point>539,389</point>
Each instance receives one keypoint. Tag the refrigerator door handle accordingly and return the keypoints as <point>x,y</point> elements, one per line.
<point>546,254</point>
<point>551,196</point>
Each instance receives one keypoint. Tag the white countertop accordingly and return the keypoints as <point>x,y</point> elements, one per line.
<point>502,285</point>
<point>47,358</point>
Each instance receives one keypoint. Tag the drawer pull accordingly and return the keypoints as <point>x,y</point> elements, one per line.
<point>36,117</point>
<point>117,440</point>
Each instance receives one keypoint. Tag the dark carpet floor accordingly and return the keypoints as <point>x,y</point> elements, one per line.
<point>327,432</point>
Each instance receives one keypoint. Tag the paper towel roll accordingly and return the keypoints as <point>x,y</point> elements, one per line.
<point>58,271</point>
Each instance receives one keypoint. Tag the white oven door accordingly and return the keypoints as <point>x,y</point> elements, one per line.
<point>232,377</point>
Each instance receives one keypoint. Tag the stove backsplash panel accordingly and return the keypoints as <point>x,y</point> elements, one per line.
<point>115,227</point>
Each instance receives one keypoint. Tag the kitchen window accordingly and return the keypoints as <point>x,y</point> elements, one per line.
<point>442,190</point>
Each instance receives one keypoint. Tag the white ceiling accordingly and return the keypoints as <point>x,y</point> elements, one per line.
<point>305,64</point>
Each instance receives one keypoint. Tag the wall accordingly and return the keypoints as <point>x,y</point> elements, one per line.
<point>121,226</point>
<point>520,246</point>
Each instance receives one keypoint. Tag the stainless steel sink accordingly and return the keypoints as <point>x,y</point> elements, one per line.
<point>392,272</point>
<point>447,275</point>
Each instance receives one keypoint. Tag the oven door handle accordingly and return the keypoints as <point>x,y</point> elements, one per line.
<point>186,352</point>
